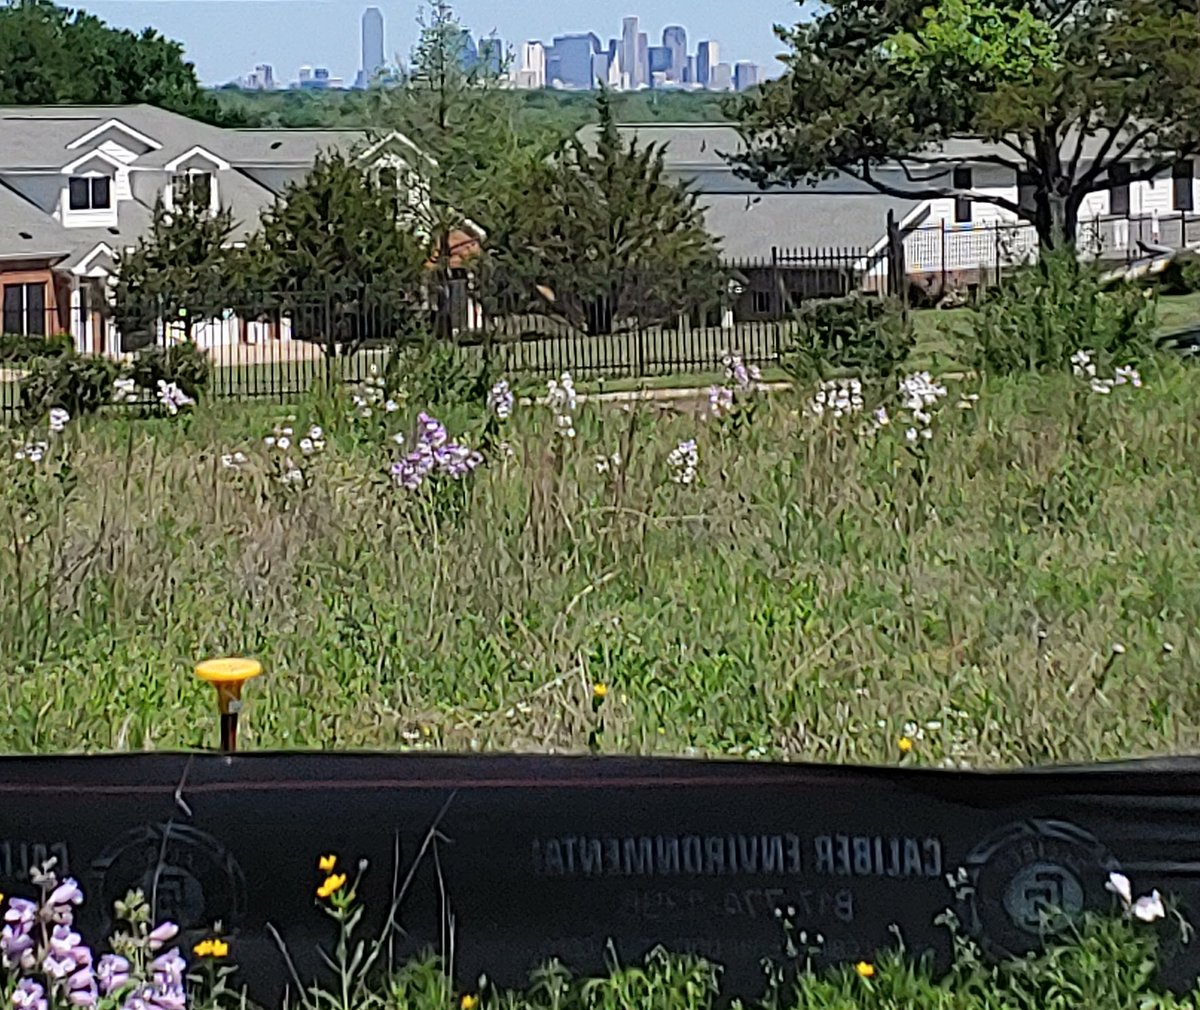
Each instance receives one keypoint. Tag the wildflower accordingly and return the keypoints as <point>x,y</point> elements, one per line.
<point>562,399</point>
<point>172,397</point>
<point>306,446</point>
<point>911,435</point>
<point>333,883</point>
<point>327,864</point>
<point>81,989</point>
<point>63,897</point>
<point>29,995</point>
<point>112,973</point>
<point>1149,907</point>
<point>500,400</point>
<point>720,401</point>
<point>1127,374</point>
<point>161,935</point>
<point>398,438</point>
<point>905,743</point>
<point>1081,364</point>
<point>840,397</point>
<point>169,970</point>
<point>1119,885</point>
<point>58,420</point>
<point>682,462</point>
<point>881,417</point>
<point>1102,386</point>
<point>292,475</point>
<point>468,1002</point>
<point>865,969</point>
<point>316,433</point>
<point>1118,649</point>
<point>211,948</point>
<point>738,372</point>
<point>600,691</point>
<point>391,406</point>
<point>124,390</point>
<point>233,460</point>
<point>283,443</point>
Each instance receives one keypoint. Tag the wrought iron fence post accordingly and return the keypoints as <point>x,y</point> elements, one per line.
<point>330,345</point>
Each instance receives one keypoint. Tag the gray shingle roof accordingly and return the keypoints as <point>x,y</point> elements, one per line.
<point>25,230</point>
<point>748,227</point>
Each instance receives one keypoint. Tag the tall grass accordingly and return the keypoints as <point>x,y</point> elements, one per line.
<point>817,593</point>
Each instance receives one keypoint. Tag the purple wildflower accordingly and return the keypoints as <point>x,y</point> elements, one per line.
<point>66,894</point>
<point>21,912</point>
<point>66,953</point>
<point>720,400</point>
<point>139,999</point>
<point>112,973</point>
<point>169,998</point>
<point>169,969</point>
<point>16,944</point>
<point>433,432</point>
<point>162,935</point>
<point>81,988</point>
<point>29,995</point>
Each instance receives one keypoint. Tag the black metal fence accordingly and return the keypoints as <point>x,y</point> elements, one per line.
<point>278,347</point>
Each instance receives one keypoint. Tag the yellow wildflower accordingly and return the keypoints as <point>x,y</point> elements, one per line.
<point>469,1002</point>
<point>600,691</point>
<point>333,883</point>
<point>211,948</point>
<point>864,968</point>
<point>905,744</point>
<point>327,863</point>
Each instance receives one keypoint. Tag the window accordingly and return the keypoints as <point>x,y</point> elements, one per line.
<point>1183,176</point>
<point>962,204</point>
<point>25,309</point>
<point>90,192</point>
<point>1118,189</point>
<point>1026,192</point>
<point>761,301</point>
<point>194,187</point>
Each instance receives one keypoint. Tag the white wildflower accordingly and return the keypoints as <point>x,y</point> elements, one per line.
<point>391,406</point>
<point>283,443</point>
<point>500,400</point>
<point>562,399</point>
<point>682,461</point>
<point>1149,907</point>
<point>1102,386</point>
<point>124,390</point>
<point>1127,374</point>
<point>172,397</point>
<point>59,419</point>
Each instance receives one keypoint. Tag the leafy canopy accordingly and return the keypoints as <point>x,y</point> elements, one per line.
<point>51,55</point>
<point>1062,90</point>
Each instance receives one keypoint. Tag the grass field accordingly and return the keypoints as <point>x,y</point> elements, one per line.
<point>816,593</point>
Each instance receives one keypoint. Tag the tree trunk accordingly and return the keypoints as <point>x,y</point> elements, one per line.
<point>1056,220</point>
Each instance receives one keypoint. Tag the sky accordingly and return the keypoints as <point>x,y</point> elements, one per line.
<point>226,38</point>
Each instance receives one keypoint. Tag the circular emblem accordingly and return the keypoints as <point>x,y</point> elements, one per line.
<point>1029,880</point>
<point>1041,891</point>
<point>188,876</point>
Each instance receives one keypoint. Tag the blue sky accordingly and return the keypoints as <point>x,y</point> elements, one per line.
<point>226,38</point>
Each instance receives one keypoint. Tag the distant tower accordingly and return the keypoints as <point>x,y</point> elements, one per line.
<point>674,39</point>
<point>629,51</point>
<point>745,75</point>
<point>372,44</point>
<point>708,55</point>
<point>643,60</point>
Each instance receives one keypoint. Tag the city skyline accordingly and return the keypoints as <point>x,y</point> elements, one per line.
<point>226,39</point>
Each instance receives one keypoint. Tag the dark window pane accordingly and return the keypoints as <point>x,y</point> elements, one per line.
<point>962,204</point>
<point>14,308</point>
<point>202,189</point>
<point>80,194</point>
<point>100,192</point>
<point>35,309</point>
<point>1118,189</point>
<point>1026,192</point>
<point>1184,179</point>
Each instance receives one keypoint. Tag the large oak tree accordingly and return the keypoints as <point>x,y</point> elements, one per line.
<point>1062,89</point>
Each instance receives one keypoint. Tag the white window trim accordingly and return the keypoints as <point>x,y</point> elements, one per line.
<point>114,124</point>
<point>214,196</point>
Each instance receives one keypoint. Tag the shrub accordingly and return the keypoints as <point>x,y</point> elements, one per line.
<point>860,334</point>
<point>436,373</point>
<point>20,347</point>
<point>183,364</point>
<point>1182,275</point>
<point>1056,307</point>
<point>77,383</point>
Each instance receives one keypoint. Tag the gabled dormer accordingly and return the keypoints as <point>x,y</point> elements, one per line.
<point>93,185</point>
<point>197,172</point>
<point>120,142</point>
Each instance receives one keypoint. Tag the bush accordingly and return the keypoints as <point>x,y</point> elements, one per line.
<point>183,364</point>
<point>1058,306</point>
<point>78,384</point>
<point>18,348</point>
<point>860,334</point>
<point>437,374</point>
<point>1182,275</point>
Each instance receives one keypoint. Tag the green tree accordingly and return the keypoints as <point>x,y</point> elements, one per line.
<point>341,254</point>
<point>1063,89</point>
<point>608,238</point>
<point>177,273</point>
<point>462,120</point>
<point>51,55</point>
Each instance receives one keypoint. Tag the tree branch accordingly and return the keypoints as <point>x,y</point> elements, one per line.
<point>1100,166</point>
<point>935,193</point>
